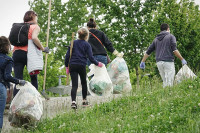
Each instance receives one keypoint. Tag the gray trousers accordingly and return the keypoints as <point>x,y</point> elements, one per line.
<point>167,72</point>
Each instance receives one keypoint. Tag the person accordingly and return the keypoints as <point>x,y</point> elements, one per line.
<point>77,65</point>
<point>99,41</point>
<point>6,63</point>
<point>20,52</point>
<point>165,48</point>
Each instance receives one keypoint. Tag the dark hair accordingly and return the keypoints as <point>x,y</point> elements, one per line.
<point>83,34</point>
<point>4,45</point>
<point>29,16</point>
<point>164,26</point>
<point>91,23</point>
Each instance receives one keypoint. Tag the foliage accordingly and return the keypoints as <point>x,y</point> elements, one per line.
<point>183,18</point>
<point>131,25</point>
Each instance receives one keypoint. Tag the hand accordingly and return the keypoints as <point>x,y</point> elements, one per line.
<point>22,82</point>
<point>100,64</point>
<point>115,52</point>
<point>184,62</point>
<point>120,55</point>
<point>46,50</point>
<point>67,70</point>
<point>142,65</point>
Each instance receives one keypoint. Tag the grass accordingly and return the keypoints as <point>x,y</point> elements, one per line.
<point>150,109</point>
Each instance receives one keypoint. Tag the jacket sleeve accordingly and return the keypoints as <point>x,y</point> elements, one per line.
<point>173,43</point>
<point>67,57</point>
<point>107,43</point>
<point>151,48</point>
<point>7,73</point>
<point>90,54</point>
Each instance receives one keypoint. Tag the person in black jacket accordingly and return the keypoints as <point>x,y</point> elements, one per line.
<point>99,41</point>
<point>6,63</point>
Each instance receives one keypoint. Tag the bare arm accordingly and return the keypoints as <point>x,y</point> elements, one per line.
<point>177,54</point>
<point>35,39</point>
<point>145,57</point>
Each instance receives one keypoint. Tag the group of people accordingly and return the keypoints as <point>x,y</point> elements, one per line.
<point>90,47</point>
<point>86,50</point>
<point>18,61</point>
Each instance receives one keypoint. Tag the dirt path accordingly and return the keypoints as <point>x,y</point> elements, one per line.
<point>58,105</point>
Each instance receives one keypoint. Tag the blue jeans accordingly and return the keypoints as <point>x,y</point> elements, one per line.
<point>3,95</point>
<point>101,58</point>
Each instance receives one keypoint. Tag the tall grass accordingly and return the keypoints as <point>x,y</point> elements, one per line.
<point>149,108</point>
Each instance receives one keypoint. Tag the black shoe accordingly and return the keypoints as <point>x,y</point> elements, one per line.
<point>74,106</point>
<point>85,103</point>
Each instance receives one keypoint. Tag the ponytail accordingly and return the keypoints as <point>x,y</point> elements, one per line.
<point>91,23</point>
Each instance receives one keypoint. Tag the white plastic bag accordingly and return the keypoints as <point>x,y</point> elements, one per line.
<point>184,73</point>
<point>100,84</point>
<point>119,75</point>
<point>27,106</point>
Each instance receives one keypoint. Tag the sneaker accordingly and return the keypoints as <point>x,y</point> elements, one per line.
<point>73,105</point>
<point>85,103</point>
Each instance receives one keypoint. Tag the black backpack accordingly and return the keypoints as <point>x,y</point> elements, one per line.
<point>19,34</point>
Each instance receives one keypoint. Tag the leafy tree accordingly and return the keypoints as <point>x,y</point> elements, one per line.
<point>127,25</point>
<point>131,25</point>
<point>183,18</point>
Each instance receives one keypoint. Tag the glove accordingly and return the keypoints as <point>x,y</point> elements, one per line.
<point>22,82</point>
<point>121,54</point>
<point>46,50</point>
<point>142,65</point>
<point>184,62</point>
<point>116,53</point>
<point>100,64</point>
<point>67,70</point>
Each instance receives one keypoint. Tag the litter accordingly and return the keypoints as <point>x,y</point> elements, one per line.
<point>100,84</point>
<point>26,107</point>
<point>119,75</point>
<point>184,73</point>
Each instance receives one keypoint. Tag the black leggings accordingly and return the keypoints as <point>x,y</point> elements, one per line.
<point>74,71</point>
<point>20,60</point>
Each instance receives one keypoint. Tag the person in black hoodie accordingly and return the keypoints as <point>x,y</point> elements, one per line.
<point>99,41</point>
<point>77,64</point>
<point>6,64</point>
<point>165,47</point>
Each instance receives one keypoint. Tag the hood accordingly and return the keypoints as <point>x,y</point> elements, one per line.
<point>162,35</point>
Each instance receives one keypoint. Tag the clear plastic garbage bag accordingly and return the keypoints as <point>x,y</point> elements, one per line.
<point>100,84</point>
<point>184,73</point>
<point>119,75</point>
<point>26,107</point>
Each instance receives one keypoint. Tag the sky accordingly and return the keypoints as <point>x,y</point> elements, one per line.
<point>12,11</point>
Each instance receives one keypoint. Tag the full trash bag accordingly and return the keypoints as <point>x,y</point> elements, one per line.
<point>184,73</point>
<point>100,83</point>
<point>26,108</point>
<point>119,75</point>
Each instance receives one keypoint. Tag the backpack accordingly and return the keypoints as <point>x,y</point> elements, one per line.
<point>19,34</point>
